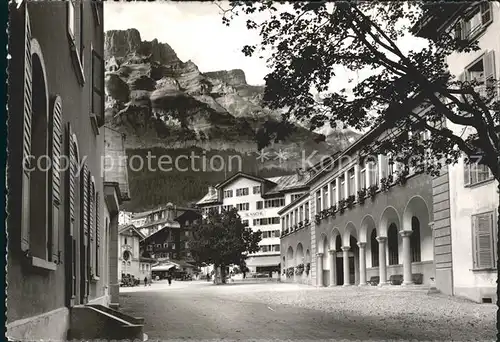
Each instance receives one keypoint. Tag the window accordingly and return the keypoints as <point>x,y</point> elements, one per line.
<point>484,240</point>
<point>333,195</point>
<point>318,202</point>
<point>301,213</point>
<point>98,87</point>
<point>243,206</point>
<point>287,221</point>
<point>475,173</point>
<point>158,246</point>
<point>263,249</point>
<point>325,197</point>
<point>227,207</point>
<point>228,193</point>
<point>297,196</point>
<point>292,220</point>
<point>260,204</point>
<point>482,71</point>
<point>242,192</point>
<point>125,240</point>
<point>274,203</point>
<point>296,216</point>
<point>362,177</point>
<point>150,247</point>
<point>372,168</point>
<point>165,245</point>
<point>256,189</point>
<point>266,221</point>
<point>352,184</point>
<point>474,22</point>
<point>245,223</point>
<point>75,34</point>
<point>307,211</point>
<point>276,248</point>
<point>342,187</point>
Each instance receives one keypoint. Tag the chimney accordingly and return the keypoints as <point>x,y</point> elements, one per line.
<point>300,174</point>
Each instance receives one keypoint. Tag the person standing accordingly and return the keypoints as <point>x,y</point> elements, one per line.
<point>145,281</point>
<point>169,278</point>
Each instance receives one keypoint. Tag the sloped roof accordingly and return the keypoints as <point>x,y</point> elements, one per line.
<point>288,183</point>
<point>278,185</point>
<point>124,227</point>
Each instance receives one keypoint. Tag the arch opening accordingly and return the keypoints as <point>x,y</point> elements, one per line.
<point>392,243</point>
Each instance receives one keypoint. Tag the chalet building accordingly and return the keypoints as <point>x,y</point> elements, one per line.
<point>130,260</point>
<point>466,207</point>
<point>168,242</point>
<point>258,201</point>
<point>63,214</point>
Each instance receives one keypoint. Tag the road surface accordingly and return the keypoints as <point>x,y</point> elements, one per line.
<point>200,310</point>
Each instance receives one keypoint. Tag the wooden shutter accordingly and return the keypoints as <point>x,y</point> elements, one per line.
<point>71,246</point>
<point>27,113</point>
<point>71,178</point>
<point>483,229</point>
<point>55,194</point>
<point>489,73</point>
<point>84,193</point>
<point>91,194</point>
<point>97,234</point>
<point>486,13</point>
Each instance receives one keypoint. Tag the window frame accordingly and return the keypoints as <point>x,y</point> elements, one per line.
<point>97,119</point>
<point>74,23</point>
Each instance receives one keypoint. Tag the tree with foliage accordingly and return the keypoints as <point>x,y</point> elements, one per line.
<point>222,240</point>
<point>309,42</point>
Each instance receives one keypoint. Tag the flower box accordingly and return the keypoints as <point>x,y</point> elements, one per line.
<point>350,201</point>
<point>361,195</point>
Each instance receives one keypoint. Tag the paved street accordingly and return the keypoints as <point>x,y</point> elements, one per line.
<point>200,310</point>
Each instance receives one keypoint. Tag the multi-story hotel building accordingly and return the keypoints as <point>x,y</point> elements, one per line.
<point>258,201</point>
<point>374,221</point>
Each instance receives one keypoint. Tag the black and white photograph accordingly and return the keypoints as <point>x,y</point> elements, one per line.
<point>252,170</point>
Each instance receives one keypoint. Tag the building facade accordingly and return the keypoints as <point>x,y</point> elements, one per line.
<point>60,221</point>
<point>130,260</point>
<point>465,214</point>
<point>366,219</point>
<point>258,201</point>
<point>169,238</point>
<point>437,231</point>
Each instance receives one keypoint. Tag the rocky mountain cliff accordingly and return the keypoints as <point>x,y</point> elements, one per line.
<point>164,104</point>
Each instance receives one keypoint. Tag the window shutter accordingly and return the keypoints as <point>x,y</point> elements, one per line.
<point>84,193</point>
<point>71,175</point>
<point>56,146</point>
<point>98,221</point>
<point>489,72</point>
<point>466,172</point>
<point>484,240</point>
<point>486,16</point>
<point>27,98</point>
<point>91,237</point>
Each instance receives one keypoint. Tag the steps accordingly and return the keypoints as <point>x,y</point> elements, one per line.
<point>95,321</point>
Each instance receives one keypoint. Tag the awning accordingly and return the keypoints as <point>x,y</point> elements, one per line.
<point>162,267</point>
<point>262,261</point>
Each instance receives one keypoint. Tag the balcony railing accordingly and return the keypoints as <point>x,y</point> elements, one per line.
<point>363,194</point>
<point>297,227</point>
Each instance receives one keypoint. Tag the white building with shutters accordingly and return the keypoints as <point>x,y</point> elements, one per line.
<point>473,191</point>
<point>258,201</point>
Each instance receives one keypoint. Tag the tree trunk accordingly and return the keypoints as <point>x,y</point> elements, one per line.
<point>223,274</point>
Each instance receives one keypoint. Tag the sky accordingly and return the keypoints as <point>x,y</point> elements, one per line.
<point>194,30</point>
